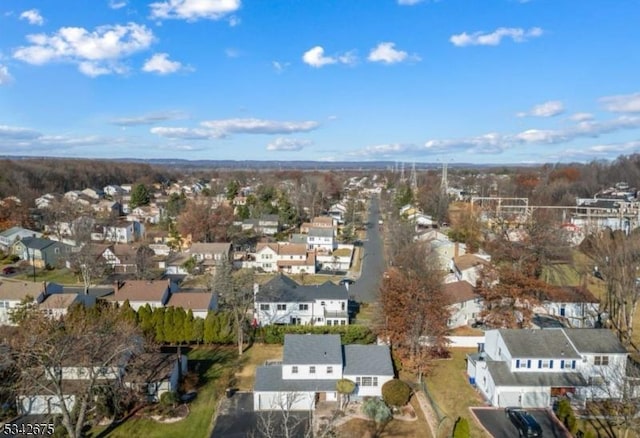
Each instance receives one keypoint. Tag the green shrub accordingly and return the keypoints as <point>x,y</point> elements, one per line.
<point>396,393</point>
<point>461,428</point>
<point>13,258</point>
<point>169,398</point>
<point>349,334</point>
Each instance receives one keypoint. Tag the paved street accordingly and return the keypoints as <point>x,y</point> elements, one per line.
<point>365,289</point>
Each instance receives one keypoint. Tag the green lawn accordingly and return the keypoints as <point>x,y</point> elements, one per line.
<point>60,276</point>
<point>452,392</point>
<point>255,356</point>
<point>215,366</point>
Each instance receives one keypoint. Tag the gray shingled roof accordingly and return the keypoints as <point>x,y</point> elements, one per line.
<point>312,350</point>
<point>269,378</point>
<point>547,343</point>
<point>502,376</point>
<point>37,243</point>
<point>367,360</point>
<point>595,341</point>
<point>283,289</point>
<point>320,232</point>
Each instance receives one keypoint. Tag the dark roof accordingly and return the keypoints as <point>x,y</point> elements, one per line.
<point>270,218</point>
<point>502,376</point>
<point>459,292</point>
<point>595,341</point>
<point>312,350</point>
<point>534,343</point>
<point>37,243</point>
<point>269,378</point>
<point>367,360</point>
<point>283,289</point>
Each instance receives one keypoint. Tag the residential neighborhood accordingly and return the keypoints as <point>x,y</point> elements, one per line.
<point>364,292</point>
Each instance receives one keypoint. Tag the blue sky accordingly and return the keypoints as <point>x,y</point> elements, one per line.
<point>481,81</point>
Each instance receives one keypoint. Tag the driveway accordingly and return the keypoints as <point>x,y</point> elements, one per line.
<point>498,425</point>
<point>237,419</point>
<point>366,288</point>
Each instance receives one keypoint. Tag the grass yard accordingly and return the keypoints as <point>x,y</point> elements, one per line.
<point>452,392</point>
<point>367,314</point>
<point>215,366</point>
<point>253,357</point>
<point>60,276</point>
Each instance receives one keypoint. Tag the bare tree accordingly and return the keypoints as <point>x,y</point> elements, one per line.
<point>235,290</point>
<point>67,360</point>
<point>83,258</point>
<point>617,257</point>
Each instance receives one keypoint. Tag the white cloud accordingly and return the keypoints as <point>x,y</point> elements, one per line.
<point>234,21</point>
<point>288,144</point>
<point>611,150</point>
<point>581,117</point>
<point>161,64</point>
<point>550,108</point>
<point>117,4</point>
<point>95,52</point>
<point>215,129</point>
<point>280,66</point>
<point>192,10</point>
<point>148,119</point>
<point>33,17</point>
<point>17,133</point>
<point>5,77</point>
<point>315,57</point>
<point>495,143</point>
<point>386,52</point>
<point>622,103</point>
<point>258,126</point>
<point>183,133</point>
<point>494,38</point>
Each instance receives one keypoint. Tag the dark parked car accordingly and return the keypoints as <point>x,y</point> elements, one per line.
<point>345,281</point>
<point>9,270</point>
<point>525,423</point>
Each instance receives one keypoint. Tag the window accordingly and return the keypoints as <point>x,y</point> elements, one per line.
<point>343,322</point>
<point>367,381</point>
<point>322,303</point>
<point>294,369</point>
<point>544,364</point>
<point>329,370</point>
<point>312,369</point>
<point>567,364</point>
<point>303,307</point>
<point>281,307</point>
<point>329,322</point>
<point>264,307</point>
<point>601,360</point>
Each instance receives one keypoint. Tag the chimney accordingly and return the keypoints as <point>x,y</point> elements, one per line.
<point>44,287</point>
<point>256,288</point>
<point>456,249</point>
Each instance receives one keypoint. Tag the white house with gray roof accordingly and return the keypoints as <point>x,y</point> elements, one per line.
<point>532,368</point>
<point>283,301</point>
<point>321,239</point>
<point>311,367</point>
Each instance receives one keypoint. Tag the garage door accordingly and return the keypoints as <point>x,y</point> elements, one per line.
<point>535,400</point>
<point>508,399</point>
<point>299,401</point>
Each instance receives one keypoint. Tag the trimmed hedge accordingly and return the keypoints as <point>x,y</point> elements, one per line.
<point>349,334</point>
<point>396,393</point>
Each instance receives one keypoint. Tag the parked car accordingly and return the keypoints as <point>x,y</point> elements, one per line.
<point>346,281</point>
<point>525,423</point>
<point>8,270</point>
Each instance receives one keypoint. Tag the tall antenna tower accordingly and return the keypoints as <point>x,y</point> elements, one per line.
<point>444,183</point>
<point>414,179</point>
<point>402,177</point>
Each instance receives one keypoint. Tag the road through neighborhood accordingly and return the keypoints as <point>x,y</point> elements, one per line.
<point>366,288</point>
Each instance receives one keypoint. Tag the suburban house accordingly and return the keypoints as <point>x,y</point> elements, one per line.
<point>266,257</point>
<point>321,239</point>
<point>290,258</point>
<point>533,368</point>
<point>93,193</point>
<point>574,305</point>
<point>337,212</point>
<point>41,252</point>
<point>12,293</point>
<point>142,292</point>
<point>200,303</point>
<point>121,258</point>
<point>465,304</point>
<point>467,267</point>
<point>155,373</point>
<point>12,235</point>
<point>269,224</point>
<point>283,301</point>
<point>123,232</point>
<point>312,365</point>
<point>107,208</point>
<point>319,222</point>
<point>113,190</point>
<point>338,260</point>
<point>211,254</point>
<point>56,305</point>
<point>146,214</point>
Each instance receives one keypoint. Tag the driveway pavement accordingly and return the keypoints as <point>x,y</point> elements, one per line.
<point>366,288</point>
<point>495,421</point>
<point>237,419</point>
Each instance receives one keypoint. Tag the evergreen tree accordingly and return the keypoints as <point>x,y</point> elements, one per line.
<point>198,330</point>
<point>179,317</point>
<point>140,195</point>
<point>145,319</point>
<point>128,313</point>
<point>158,323</point>
<point>189,327</point>
<point>170,333</point>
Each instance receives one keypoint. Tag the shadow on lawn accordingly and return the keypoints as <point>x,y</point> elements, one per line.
<point>209,364</point>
